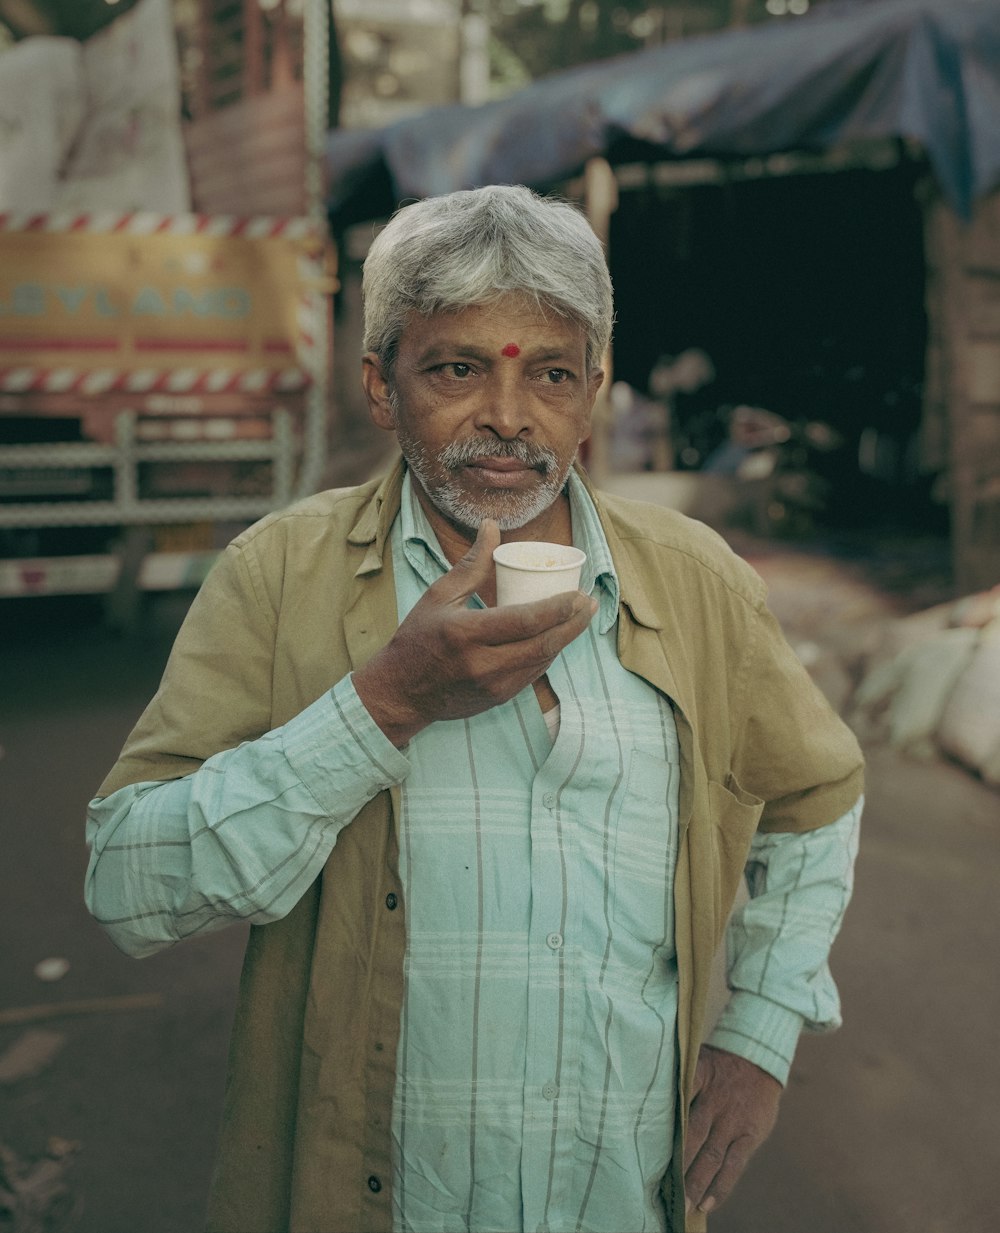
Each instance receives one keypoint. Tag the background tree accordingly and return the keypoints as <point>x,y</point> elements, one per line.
<point>544,35</point>
<point>76,19</point>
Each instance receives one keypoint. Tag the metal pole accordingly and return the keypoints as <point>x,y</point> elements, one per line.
<point>600,190</point>
<point>316,88</point>
<point>474,55</point>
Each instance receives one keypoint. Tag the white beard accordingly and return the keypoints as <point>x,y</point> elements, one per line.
<point>509,510</point>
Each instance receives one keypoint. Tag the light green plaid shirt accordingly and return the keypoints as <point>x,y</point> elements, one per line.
<point>536,1066</point>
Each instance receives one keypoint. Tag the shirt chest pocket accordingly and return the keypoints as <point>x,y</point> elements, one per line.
<point>645,847</point>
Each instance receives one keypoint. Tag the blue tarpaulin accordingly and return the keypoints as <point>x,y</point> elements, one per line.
<point>924,70</point>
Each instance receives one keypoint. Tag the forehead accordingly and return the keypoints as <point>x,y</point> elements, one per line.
<point>512,322</point>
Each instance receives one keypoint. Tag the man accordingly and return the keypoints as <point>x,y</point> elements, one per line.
<point>559,798</point>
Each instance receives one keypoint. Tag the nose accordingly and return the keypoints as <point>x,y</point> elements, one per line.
<point>503,409</point>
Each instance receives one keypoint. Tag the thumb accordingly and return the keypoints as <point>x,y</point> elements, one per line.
<point>702,1073</point>
<point>475,567</point>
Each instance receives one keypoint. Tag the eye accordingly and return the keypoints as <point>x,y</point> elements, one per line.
<point>457,370</point>
<point>556,376</point>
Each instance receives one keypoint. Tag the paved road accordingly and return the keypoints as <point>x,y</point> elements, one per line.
<point>139,1091</point>
<point>888,1126</point>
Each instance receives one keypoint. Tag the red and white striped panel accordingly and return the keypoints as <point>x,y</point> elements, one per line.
<point>311,309</point>
<point>178,381</point>
<point>144,223</point>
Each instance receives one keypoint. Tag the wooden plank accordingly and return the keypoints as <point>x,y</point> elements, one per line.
<point>250,157</point>
<point>246,144</point>
<point>201,103</point>
<point>253,42</point>
<point>277,192</point>
<point>244,123</point>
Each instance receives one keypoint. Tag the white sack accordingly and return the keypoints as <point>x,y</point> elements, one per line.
<point>970,725</point>
<point>911,690</point>
<point>130,155</point>
<point>41,108</point>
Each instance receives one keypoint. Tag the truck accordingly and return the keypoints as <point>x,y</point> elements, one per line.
<point>160,377</point>
<point>164,377</point>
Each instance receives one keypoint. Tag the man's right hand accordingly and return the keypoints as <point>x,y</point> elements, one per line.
<point>449,661</point>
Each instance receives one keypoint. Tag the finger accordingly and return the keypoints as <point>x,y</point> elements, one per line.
<point>699,1127</point>
<point>701,1072</point>
<point>567,614</point>
<point>728,1174</point>
<point>468,574</point>
<point>701,1173</point>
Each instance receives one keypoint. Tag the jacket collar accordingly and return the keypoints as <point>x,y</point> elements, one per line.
<point>634,592</point>
<point>372,529</point>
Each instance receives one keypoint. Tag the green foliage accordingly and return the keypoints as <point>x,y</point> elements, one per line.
<point>77,19</point>
<point>545,35</point>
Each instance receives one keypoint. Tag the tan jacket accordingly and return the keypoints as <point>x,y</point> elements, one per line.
<point>304,597</point>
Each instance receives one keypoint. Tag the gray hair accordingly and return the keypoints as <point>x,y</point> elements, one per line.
<point>472,248</point>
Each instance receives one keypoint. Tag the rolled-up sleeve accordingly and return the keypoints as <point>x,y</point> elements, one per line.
<point>243,836</point>
<point>778,943</point>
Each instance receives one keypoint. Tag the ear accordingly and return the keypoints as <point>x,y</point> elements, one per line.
<point>595,379</point>
<point>377,391</point>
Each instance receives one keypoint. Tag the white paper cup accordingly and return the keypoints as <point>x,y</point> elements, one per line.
<point>528,570</point>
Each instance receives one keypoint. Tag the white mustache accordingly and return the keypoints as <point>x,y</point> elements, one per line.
<point>461,453</point>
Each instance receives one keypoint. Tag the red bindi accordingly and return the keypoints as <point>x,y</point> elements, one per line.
<point>511,350</point>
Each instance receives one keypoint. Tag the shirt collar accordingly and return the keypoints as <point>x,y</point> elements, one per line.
<point>419,541</point>
<point>423,552</point>
<point>599,577</point>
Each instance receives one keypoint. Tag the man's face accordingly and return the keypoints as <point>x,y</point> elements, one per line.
<point>489,405</point>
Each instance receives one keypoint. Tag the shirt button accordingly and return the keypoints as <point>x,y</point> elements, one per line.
<point>374,1185</point>
<point>549,800</point>
<point>554,940</point>
<point>391,901</point>
<point>550,1091</point>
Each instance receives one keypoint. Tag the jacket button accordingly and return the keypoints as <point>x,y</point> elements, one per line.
<point>374,1185</point>
<point>391,901</point>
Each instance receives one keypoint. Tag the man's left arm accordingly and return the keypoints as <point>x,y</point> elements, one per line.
<point>778,947</point>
